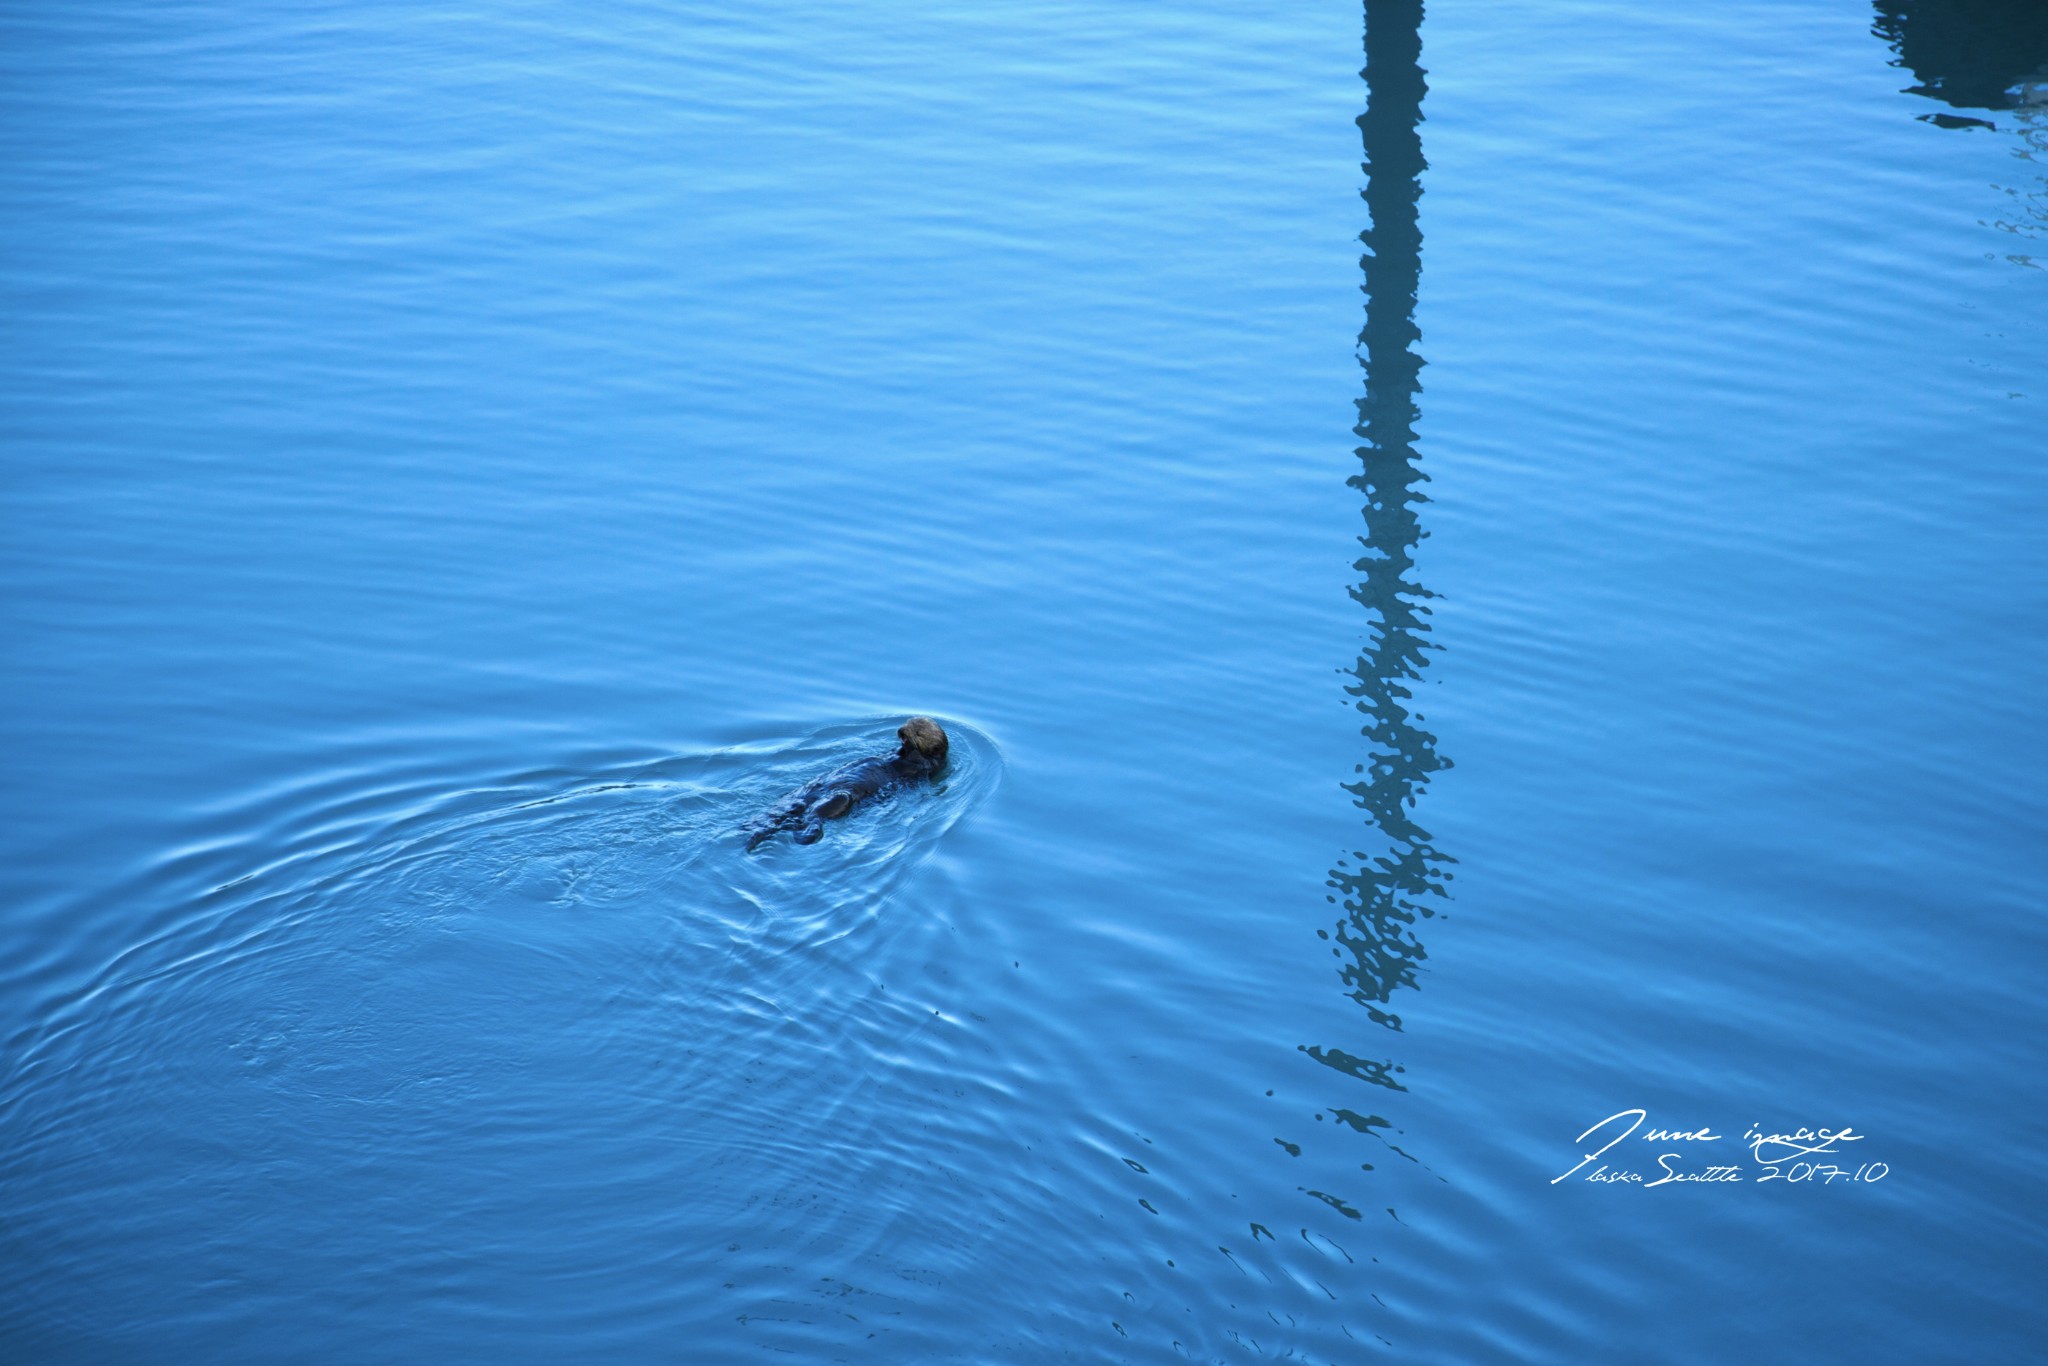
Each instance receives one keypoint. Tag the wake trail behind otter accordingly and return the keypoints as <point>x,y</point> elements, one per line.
<point>534,998</point>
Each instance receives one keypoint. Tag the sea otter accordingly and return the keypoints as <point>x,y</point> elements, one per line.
<point>922,755</point>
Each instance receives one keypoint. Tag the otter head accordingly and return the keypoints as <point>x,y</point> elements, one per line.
<point>921,736</point>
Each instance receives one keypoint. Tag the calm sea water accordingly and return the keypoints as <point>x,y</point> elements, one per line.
<point>461,461</point>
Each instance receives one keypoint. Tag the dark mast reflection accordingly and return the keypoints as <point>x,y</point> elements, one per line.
<point>1390,886</point>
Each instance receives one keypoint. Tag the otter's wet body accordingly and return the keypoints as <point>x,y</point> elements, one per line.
<point>805,811</point>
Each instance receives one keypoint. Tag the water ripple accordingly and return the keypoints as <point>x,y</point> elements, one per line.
<point>417,1025</point>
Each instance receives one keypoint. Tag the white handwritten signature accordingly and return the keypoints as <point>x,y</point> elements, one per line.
<point>1795,1156</point>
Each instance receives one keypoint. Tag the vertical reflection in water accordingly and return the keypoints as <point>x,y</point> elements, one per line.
<point>1989,55</point>
<point>1968,54</point>
<point>2028,215</point>
<point>1390,886</point>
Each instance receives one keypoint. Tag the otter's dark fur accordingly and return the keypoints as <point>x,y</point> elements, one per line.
<point>805,811</point>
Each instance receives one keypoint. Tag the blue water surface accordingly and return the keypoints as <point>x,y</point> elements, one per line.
<point>461,462</point>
